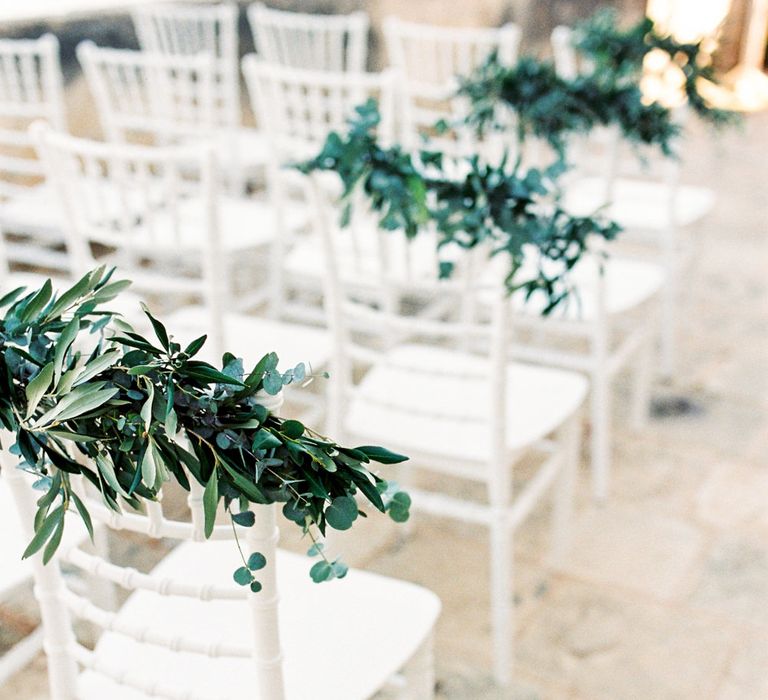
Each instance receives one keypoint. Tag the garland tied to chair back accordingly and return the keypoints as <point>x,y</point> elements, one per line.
<point>607,93</point>
<point>495,205</point>
<point>129,414</point>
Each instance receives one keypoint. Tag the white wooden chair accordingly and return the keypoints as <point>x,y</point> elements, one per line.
<point>642,193</point>
<point>149,97</point>
<point>299,109</point>
<point>468,413</point>
<point>609,324</point>
<point>430,58</point>
<point>187,631</point>
<point>187,30</point>
<point>164,229</point>
<point>310,41</point>
<point>30,88</point>
<point>15,572</point>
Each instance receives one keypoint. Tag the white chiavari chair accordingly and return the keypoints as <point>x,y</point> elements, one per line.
<point>188,29</point>
<point>16,572</point>
<point>310,41</point>
<point>642,192</point>
<point>155,98</point>
<point>150,97</point>
<point>468,414</point>
<point>187,631</point>
<point>299,109</point>
<point>31,87</point>
<point>429,59</point>
<point>163,228</point>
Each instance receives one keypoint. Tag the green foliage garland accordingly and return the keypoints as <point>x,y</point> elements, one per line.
<point>619,54</point>
<point>552,108</point>
<point>140,410</point>
<point>489,204</point>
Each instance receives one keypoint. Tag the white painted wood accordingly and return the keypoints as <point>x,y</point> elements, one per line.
<point>31,87</point>
<point>299,108</point>
<point>160,213</point>
<point>188,29</point>
<point>430,59</point>
<point>310,41</point>
<point>471,414</point>
<point>150,97</point>
<point>195,635</point>
<point>649,201</point>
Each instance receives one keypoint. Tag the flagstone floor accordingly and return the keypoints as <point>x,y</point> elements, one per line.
<point>664,595</point>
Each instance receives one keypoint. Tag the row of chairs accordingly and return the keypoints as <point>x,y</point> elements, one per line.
<point>189,204</point>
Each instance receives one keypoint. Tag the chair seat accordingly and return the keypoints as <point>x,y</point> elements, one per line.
<point>34,212</point>
<point>628,284</point>
<point>250,337</point>
<point>441,414</point>
<point>639,204</point>
<point>364,627</point>
<point>244,223</point>
<point>248,146</point>
<point>304,260</point>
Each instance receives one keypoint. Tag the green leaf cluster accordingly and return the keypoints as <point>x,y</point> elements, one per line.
<point>549,107</point>
<point>554,109</point>
<point>495,205</point>
<point>617,54</point>
<point>76,383</point>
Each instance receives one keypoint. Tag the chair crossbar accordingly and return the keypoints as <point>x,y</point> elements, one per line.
<point>84,609</point>
<point>131,579</point>
<point>126,676</point>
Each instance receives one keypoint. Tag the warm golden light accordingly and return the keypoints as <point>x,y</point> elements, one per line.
<point>688,20</point>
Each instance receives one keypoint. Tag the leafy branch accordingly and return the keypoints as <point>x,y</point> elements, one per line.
<point>76,382</point>
<point>514,213</point>
<point>607,93</point>
<point>618,55</point>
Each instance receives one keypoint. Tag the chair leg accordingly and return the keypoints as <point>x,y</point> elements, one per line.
<point>419,673</point>
<point>501,598</point>
<point>642,380</point>
<point>562,509</point>
<point>601,431</point>
<point>669,307</point>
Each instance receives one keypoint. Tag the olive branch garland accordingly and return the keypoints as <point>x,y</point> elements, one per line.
<point>552,108</point>
<point>143,412</point>
<point>489,204</point>
<point>618,54</point>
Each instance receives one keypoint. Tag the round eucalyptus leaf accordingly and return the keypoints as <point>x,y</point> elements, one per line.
<point>322,571</point>
<point>242,576</point>
<point>341,513</point>
<point>257,561</point>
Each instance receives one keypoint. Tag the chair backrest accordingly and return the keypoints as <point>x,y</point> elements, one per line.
<point>383,289</point>
<point>430,58</point>
<point>568,63</point>
<point>60,605</point>
<point>191,29</point>
<point>31,87</point>
<point>310,41</point>
<point>299,108</point>
<point>153,209</point>
<point>149,97</point>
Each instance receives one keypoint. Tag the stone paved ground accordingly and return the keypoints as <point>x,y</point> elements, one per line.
<point>664,595</point>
